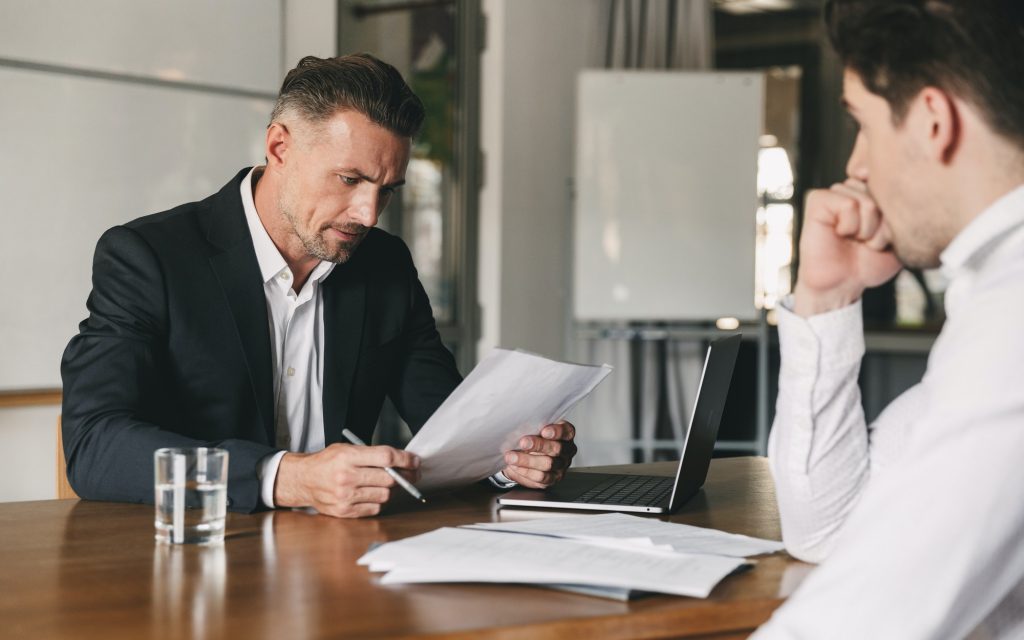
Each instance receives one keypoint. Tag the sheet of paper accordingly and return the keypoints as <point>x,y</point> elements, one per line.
<point>468,555</point>
<point>635,530</point>
<point>508,395</point>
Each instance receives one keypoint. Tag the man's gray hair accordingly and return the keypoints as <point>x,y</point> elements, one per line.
<point>318,88</point>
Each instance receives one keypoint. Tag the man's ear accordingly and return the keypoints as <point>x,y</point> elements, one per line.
<point>278,143</point>
<point>941,125</point>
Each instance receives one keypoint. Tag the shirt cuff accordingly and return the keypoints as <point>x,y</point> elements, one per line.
<point>823,342</point>
<point>501,481</point>
<point>266,470</point>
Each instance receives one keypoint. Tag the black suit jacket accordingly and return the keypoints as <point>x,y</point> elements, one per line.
<point>176,350</point>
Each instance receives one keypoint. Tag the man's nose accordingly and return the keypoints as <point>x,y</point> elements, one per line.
<point>856,166</point>
<point>366,208</point>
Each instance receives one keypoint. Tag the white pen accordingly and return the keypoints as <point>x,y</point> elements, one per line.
<point>402,482</point>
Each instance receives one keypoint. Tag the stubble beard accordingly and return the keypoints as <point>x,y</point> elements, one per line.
<point>316,244</point>
<point>919,245</point>
<point>916,257</point>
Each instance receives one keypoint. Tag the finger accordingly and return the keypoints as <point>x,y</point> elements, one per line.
<point>882,240</point>
<point>362,477</point>
<point>832,209</point>
<point>339,496</point>
<point>844,209</point>
<point>857,185</point>
<point>541,479</point>
<point>561,430</point>
<point>531,478</point>
<point>369,495</point>
<point>412,475</point>
<point>535,461</point>
<point>869,216</point>
<point>536,444</point>
<point>384,456</point>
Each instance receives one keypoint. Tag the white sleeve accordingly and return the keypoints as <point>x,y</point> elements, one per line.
<point>267,472</point>
<point>501,481</point>
<point>820,451</point>
<point>933,546</point>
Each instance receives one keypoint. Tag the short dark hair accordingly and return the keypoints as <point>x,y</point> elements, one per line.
<point>969,48</point>
<point>317,88</point>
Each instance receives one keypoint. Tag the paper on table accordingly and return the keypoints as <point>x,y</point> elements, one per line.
<point>634,530</point>
<point>508,395</point>
<point>467,555</point>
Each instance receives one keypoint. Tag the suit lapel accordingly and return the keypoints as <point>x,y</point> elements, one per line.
<point>344,294</point>
<point>239,275</point>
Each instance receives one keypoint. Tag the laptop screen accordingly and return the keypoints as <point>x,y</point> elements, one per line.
<point>699,441</point>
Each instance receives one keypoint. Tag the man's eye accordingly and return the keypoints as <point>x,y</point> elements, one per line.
<point>349,180</point>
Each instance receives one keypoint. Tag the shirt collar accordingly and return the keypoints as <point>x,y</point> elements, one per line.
<point>271,262</point>
<point>976,239</point>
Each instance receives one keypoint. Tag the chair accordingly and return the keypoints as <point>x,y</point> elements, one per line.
<point>64,490</point>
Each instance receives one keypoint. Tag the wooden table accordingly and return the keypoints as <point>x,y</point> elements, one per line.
<point>78,569</point>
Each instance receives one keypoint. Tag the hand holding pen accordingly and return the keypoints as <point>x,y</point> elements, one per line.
<point>342,480</point>
<point>402,482</point>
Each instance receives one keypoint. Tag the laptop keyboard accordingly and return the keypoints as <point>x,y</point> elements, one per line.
<point>628,490</point>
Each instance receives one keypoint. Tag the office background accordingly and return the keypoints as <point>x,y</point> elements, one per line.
<point>114,109</point>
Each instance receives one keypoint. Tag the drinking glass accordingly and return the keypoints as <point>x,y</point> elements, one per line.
<point>191,489</point>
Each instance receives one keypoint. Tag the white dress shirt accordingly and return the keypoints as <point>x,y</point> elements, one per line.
<point>918,518</point>
<point>296,347</point>
<point>297,340</point>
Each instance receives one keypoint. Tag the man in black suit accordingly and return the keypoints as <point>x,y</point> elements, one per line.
<point>249,321</point>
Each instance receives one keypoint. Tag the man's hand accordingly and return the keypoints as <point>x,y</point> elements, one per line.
<point>844,249</point>
<point>344,481</point>
<point>542,460</point>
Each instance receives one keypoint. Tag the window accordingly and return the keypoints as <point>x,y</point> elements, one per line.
<point>435,45</point>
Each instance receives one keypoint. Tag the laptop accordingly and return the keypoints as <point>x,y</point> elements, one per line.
<point>651,494</point>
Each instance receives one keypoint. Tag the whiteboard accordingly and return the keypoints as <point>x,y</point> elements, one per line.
<point>666,195</point>
<point>82,155</point>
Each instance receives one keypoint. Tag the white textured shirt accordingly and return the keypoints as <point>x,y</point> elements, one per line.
<point>296,347</point>
<point>918,518</point>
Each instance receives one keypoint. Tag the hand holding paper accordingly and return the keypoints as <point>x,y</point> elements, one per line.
<point>509,395</point>
<point>542,460</point>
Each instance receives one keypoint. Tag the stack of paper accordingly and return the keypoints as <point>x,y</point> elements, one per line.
<point>611,555</point>
<point>633,531</point>
<point>467,555</point>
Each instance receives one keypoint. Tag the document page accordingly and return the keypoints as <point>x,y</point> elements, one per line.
<point>633,531</point>
<point>468,555</point>
<point>508,395</point>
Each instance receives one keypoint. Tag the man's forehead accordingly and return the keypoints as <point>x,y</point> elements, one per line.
<point>853,89</point>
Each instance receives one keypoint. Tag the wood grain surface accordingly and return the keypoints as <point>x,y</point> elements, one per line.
<point>79,569</point>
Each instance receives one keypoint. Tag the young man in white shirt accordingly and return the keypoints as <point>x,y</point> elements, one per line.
<point>917,519</point>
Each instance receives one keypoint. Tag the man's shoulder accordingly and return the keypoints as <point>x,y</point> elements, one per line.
<point>182,216</point>
<point>191,220</point>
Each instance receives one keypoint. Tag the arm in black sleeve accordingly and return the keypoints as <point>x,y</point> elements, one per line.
<point>427,372</point>
<point>116,384</point>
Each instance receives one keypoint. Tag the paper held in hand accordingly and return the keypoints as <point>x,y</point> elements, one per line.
<point>508,395</point>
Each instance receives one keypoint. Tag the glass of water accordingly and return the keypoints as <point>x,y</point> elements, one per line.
<point>191,494</point>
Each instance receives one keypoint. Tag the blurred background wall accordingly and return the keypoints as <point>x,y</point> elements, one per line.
<point>114,109</point>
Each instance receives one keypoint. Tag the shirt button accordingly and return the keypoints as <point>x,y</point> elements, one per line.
<point>291,371</point>
<point>285,275</point>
